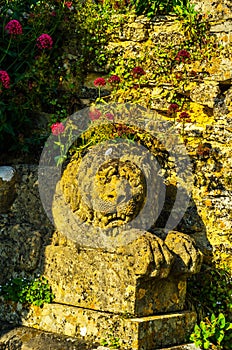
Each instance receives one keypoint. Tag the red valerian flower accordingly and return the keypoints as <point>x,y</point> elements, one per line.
<point>94,114</point>
<point>109,116</point>
<point>114,79</point>
<point>57,128</point>
<point>44,41</point>
<point>14,27</point>
<point>68,4</point>
<point>137,72</point>
<point>183,55</point>
<point>99,82</point>
<point>4,79</point>
<point>184,117</point>
<point>173,107</point>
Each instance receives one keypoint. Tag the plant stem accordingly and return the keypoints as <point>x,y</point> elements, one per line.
<point>6,49</point>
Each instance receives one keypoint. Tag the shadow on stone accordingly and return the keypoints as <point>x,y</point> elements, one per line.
<point>133,293</point>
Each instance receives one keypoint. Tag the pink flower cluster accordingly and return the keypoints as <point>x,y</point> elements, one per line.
<point>183,56</point>
<point>57,128</point>
<point>114,80</point>
<point>14,27</point>
<point>68,4</point>
<point>99,82</point>
<point>173,109</point>
<point>4,79</point>
<point>94,114</point>
<point>184,117</point>
<point>44,41</point>
<point>137,72</point>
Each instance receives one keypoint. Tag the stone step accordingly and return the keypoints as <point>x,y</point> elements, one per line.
<point>91,326</point>
<point>26,338</point>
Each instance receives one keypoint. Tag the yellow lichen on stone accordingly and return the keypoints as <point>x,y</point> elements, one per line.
<point>199,115</point>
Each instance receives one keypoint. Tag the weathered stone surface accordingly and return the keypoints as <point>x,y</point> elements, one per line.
<point>220,69</point>
<point>133,29</point>
<point>134,279</point>
<point>113,197</point>
<point>27,207</point>
<point>20,249</point>
<point>205,93</point>
<point>25,338</point>
<point>8,178</point>
<point>188,257</point>
<point>219,9</point>
<point>24,228</point>
<point>99,197</point>
<point>164,31</point>
<point>145,333</point>
<point>228,100</point>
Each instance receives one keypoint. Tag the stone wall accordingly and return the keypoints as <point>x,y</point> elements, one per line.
<point>209,138</point>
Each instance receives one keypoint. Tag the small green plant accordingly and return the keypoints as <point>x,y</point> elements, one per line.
<point>111,341</point>
<point>31,292</point>
<point>192,23</point>
<point>152,8</point>
<point>211,333</point>
<point>210,292</point>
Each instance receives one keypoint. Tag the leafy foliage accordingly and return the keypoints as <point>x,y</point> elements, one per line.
<point>214,333</point>
<point>33,292</point>
<point>111,341</point>
<point>155,7</point>
<point>210,291</point>
<point>37,73</point>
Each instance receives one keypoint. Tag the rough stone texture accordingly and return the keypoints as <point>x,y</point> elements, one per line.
<point>106,193</point>
<point>205,93</point>
<point>145,333</point>
<point>228,100</point>
<point>21,234</point>
<point>20,249</point>
<point>73,272</point>
<point>165,30</point>
<point>188,257</point>
<point>116,194</point>
<point>135,279</point>
<point>8,178</point>
<point>25,338</point>
<point>219,9</point>
<point>208,137</point>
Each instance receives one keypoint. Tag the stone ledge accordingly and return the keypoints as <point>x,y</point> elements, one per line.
<point>147,333</point>
<point>25,338</point>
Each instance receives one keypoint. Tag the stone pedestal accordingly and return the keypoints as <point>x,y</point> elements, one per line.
<point>134,279</point>
<point>135,293</point>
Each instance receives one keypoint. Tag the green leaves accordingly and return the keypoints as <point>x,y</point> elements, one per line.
<point>152,8</point>
<point>211,332</point>
<point>111,341</point>
<point>211,291</point>
<point>32,292</point>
